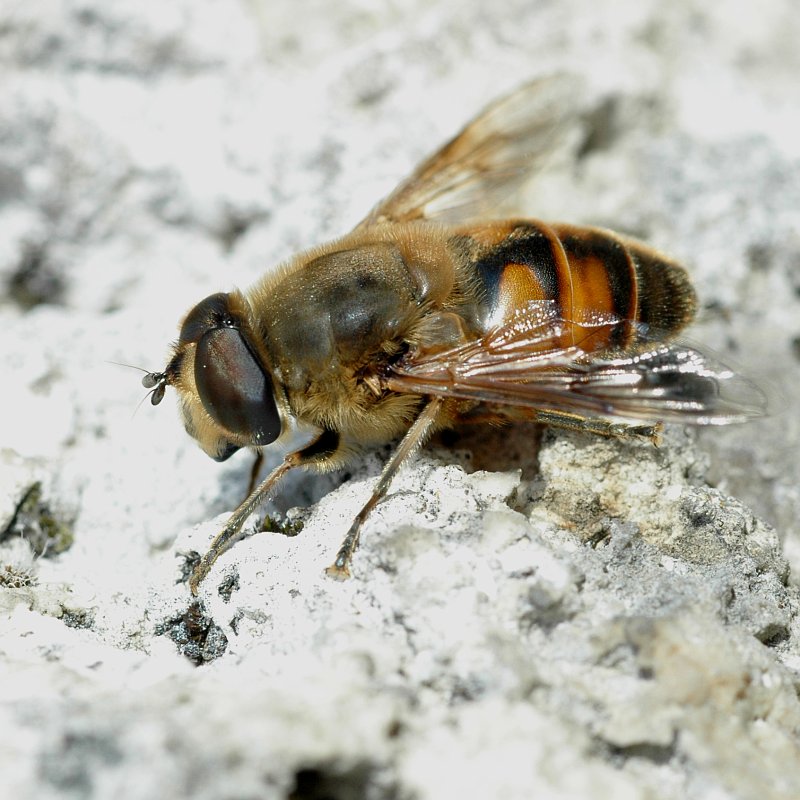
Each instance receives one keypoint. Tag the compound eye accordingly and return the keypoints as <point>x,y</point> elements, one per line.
<point>233,387</point>
<point>226,452</point>
<point>213,312</point>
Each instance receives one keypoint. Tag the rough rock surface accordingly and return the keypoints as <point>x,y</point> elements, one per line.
<point>534,614</point>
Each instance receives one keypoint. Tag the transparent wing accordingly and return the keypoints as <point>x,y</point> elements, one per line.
<point>523,364</point>
<point>476,173</point>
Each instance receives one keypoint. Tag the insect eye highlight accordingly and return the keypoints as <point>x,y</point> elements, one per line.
<point>234,388</point>
<point>213,312</point>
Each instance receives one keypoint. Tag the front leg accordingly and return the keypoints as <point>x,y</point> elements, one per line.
<point>318,453</point>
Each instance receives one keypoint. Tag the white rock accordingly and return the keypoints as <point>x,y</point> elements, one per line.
<point>564,618</point>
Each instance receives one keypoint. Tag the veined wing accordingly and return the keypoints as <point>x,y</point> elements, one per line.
<point>523,364</point>
<point>476,172</point>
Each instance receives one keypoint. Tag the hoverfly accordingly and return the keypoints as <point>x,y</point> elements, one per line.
<point>432,311</point>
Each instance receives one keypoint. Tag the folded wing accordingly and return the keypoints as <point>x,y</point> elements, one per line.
<point>522,364</point>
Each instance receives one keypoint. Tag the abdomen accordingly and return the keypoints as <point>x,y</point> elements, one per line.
<point>611,291</point>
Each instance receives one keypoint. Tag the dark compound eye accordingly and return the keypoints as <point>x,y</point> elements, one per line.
<point>229,450</point>
<point>213,312</point>
<point>234,388</point>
